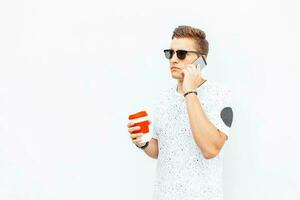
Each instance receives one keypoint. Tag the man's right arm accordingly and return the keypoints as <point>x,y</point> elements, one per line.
<point>152,149</point>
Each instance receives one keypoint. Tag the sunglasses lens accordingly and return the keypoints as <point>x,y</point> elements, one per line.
<point>168,53</point>
<point>181,54</point>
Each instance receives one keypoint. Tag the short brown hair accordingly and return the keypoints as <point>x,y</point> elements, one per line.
<point>196,34</point>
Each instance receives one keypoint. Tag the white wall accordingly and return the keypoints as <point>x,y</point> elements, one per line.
<point>71,71</point>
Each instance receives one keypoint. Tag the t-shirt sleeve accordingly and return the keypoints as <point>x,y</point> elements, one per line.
<point>224,113</point>
<point>155,117</point>
<point>153,129</point>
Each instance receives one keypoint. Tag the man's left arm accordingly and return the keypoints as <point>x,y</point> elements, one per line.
<point>208,138</point>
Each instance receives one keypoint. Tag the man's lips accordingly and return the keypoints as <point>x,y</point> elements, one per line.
<point>175,68</point>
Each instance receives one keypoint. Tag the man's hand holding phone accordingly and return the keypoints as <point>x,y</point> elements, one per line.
<point>192,77</point>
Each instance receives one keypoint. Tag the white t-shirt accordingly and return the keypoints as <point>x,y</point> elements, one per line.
<point>182,172</point>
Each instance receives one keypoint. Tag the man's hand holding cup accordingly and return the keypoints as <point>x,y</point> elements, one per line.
<point>138,127</point>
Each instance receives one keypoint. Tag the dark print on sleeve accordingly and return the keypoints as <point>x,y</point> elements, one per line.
<point>227,116</point>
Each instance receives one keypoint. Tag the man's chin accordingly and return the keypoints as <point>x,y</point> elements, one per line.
<point>176,76</point>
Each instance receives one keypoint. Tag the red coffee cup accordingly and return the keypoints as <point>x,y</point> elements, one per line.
<point>140,119</point>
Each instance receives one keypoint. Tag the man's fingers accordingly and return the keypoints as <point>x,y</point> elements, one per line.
<point>187,72</point>
<point>135,135</point>
<point>137,140</point>
<point>189,69</point>
<point>130,124</point>
<point>135,128</point>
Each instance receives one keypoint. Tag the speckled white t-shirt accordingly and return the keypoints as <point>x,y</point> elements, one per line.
<point>182,172</point>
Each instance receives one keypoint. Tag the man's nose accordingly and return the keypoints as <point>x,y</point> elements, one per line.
<point>174,58</point>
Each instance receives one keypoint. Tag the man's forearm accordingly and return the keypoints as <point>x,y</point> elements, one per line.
<point>205,134</point>
<point>152,149</point>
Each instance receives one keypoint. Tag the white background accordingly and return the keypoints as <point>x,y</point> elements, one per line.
<point>71,72</point>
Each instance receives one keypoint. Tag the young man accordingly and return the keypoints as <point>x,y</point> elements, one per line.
<point>191,124</point>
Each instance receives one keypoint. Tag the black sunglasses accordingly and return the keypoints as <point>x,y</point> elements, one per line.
<point>181,54</point>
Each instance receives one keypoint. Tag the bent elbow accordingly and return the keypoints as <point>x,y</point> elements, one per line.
<point>210,154</point>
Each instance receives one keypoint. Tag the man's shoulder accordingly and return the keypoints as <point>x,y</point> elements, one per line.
<point>218,87</point>
<point>166,91</point>
<point>218,92</point>
<point>162,93</point>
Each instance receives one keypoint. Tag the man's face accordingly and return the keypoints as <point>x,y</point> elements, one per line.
<point>177,65</point>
